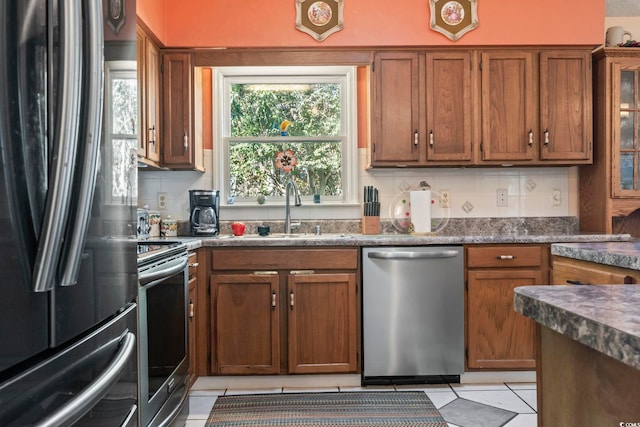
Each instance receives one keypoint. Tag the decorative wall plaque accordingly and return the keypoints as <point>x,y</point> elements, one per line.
<point>453,18</point>
<point>319,19</point>
<point>115,15</point>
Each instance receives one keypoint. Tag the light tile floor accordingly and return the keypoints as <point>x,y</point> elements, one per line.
<point>517,398</point>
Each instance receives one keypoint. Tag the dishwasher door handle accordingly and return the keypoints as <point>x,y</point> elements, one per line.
<point>413,255</point>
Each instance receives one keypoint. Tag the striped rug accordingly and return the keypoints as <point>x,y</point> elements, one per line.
<point>371,409</point>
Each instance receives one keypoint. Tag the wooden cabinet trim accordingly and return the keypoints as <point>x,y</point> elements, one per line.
<point>291,259</point>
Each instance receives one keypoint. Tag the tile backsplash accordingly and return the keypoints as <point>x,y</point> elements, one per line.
<point>472,192</point>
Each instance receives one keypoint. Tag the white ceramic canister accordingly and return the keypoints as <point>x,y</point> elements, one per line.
<point>154,223</point>
<point>169,227</point>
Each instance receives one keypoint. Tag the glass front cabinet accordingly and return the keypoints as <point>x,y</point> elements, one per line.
<point>610,187</point>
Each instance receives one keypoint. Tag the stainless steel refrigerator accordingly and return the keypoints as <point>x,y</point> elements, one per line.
<point>68,277</point>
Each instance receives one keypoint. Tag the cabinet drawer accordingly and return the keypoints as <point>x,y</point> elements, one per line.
<point>291,259</point>
<point>574,272</point>
<point>504,256</point>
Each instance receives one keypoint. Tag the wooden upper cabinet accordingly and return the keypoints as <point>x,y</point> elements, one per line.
<point>181,148</point>
<point>509,106</point>
<point>148,98</point>
<point>565,106</point>
<point>449,111</point>
<point>396,109</point>
<point>152,124</point>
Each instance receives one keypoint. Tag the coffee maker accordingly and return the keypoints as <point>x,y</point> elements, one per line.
<point>204,208</point>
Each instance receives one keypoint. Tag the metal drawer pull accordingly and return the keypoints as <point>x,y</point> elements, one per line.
<point>194,265</point>
<point>299,272</point>
<point>577,282</point>
<point>291,299</point>
<point>273,300</point>
<point>546,137</point>
<point>506,257</point>
<point>263,273</point>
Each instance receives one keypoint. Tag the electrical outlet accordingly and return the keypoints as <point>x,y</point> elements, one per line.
<point>502,198</point>
<point>162,200</point>
<point>445,201</point>
<point>556,197</point>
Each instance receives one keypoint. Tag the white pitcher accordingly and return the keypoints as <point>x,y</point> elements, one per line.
<point>615,36</point>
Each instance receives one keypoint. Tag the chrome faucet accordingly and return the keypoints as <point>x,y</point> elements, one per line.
<point>287,206</point>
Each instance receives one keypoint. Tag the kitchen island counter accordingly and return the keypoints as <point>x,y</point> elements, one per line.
<point>587,353</point>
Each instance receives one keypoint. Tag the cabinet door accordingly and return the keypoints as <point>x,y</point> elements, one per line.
<point>177,140</point>
<point>509,106</point>
<point>565,105</point>
<point>322,323</point>
<point>497,336</point>
<point>396,109</point>
<point>449,114</point>
<point>625,125</point>
<point>245,323</point>
<point>152,104</point>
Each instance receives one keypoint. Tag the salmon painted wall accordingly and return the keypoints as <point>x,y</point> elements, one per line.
<point>262,23</point>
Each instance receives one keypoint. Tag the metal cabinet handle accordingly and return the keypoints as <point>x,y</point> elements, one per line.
<point>431,138</point>
<point>194,265</point>
<point>192,310</point>
<point>291,299</point>
<point>415,137</point>
<point>265,273</point>
<point>530,137</point>
<point>152,134</point>
<point>186,142</point>
<point>506,257</point>
<point>273,300</point>
<point>301,272</point>
<point>577,282</point>
<point>546,137</point>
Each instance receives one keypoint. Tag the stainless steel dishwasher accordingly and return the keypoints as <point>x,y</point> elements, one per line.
<point>413,314</point>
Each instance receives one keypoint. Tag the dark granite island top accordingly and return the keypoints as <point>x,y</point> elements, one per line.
<point>605,318</point>
<point>587,353</point>
<point>617,254</point>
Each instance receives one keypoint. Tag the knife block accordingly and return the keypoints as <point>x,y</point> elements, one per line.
<point>370,225</point>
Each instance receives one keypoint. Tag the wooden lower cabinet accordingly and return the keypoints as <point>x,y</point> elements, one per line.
<point>568,271</point>
<point>322,323</point>
<point>497,337</point>
<point>277,320</point>
<point>246,319</point>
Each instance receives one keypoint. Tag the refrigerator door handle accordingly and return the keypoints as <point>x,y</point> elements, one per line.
<point>90,144</point>
<point>65,144</point>
<point>93,393</point>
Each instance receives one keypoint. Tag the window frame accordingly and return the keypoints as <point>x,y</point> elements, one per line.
<point>114,70</point>
<point>224,77</point>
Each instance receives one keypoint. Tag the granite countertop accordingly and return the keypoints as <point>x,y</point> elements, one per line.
<point>605,317</point>
<point>354,239</point>
<point>618,254</point>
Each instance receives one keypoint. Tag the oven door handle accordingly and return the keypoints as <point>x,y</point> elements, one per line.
<point>76,408</point>
<point>169,269</point>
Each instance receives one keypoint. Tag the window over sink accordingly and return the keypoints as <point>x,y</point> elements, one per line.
<point>261,112</point>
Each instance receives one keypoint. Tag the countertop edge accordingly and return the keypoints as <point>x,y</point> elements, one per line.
<point>598,335</point>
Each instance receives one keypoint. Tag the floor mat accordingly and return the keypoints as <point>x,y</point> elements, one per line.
<point>466,413</point>
<point>371,409</point>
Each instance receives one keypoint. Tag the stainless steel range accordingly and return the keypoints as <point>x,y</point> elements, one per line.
<point>162,315</point>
